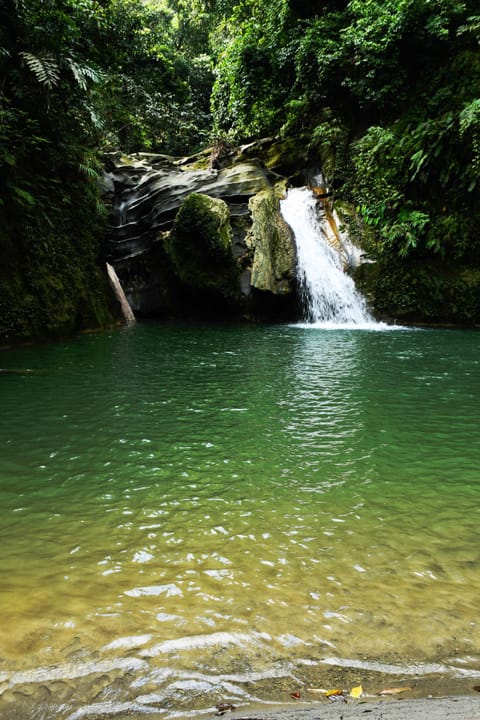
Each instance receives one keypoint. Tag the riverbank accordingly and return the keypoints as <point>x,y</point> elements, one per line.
<point>366,693</point>
<point>439,708</point>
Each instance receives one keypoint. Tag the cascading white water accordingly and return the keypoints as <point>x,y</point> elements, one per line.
<point>329,294</point>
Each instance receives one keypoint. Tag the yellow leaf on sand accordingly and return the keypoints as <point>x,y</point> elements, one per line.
<point>356,692</point>
<point>336,691</point>
<point>394,691</point>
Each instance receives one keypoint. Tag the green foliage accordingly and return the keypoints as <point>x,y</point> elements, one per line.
<point>330,138</point>
<point>387,90</point>
<point>386,42</point>
<point>253,70</point>
<point>156,92</point>
<point>408,230</point>
<point>84,73</point>
<point>469,124</point>
<point>52,278</point>
<point>409,291</point>
<point>45,68</point>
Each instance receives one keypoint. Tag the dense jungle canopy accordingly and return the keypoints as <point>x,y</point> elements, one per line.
<point>386,91</point>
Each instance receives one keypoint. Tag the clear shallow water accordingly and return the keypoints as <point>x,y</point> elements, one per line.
<point>191,514</point>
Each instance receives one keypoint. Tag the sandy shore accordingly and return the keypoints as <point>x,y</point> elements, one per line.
<point>365,691</point>
<point>444,708</point>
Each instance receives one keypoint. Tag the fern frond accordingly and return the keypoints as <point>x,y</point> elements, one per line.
<point>90,166</point>
<point>88,170</point>
<point>101,209</point>
<point>82,73</point>
<point>77,73</point>
<point>97,121</point>
<point>470,117</point>
<point>45,68</point>
<point>93,74</point>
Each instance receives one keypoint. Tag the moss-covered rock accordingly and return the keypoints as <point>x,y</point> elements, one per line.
<point>427,291</point>
<point>200,248</point>
<point>287,156</point>
<point>270,238</point>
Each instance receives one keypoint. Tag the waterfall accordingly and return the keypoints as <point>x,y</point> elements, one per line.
<point>329,294</point>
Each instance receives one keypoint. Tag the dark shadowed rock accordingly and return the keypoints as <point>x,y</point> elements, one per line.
<point>165,246</point>
<point>200,247</point>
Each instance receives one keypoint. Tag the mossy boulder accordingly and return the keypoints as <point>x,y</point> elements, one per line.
<point>200,248</point>
<point>270,238</point>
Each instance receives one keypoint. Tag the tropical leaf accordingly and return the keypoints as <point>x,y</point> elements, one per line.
<point>93,74</point>
<point>470,117</point>
<point>44,67</point>
<point>471,26</point>
<point>96,120</point>
<point>417,162</point>
<point>8,159</point>
<point>23,196</point>
<point>88,170</point>
<point>83,73</point>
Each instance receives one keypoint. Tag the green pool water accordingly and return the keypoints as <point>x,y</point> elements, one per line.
<point>198,513</point>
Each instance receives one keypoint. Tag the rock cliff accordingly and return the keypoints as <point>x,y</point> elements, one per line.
<point>193,240</point>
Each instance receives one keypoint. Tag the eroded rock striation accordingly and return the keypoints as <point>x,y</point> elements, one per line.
<point>200,241</point>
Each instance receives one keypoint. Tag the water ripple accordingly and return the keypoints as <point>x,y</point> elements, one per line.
<point>223,506</point>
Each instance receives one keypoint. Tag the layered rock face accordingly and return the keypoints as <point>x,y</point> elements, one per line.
<point>192,241</point>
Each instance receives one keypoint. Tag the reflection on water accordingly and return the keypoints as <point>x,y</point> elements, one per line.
<point>191,514</point>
